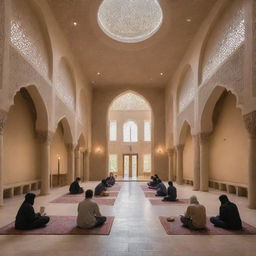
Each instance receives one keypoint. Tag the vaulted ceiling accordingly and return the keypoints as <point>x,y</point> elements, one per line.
<point>109,63</point>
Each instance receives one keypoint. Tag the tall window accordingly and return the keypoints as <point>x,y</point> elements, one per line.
<point>147,131</point>
<point>130,132</point>
<point>147,163</point>
<point>112,130</point>
<point>112,163</point>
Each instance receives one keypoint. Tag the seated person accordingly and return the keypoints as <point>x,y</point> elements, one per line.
<point>195,216</point>
<point>75,187</point>
<point>89,215</point>
<point>161,189</point>
<point>26,217</point>
<point>171,193</point>
<point>100,189</point>
<point>153,184</point>
<point>111,180</point>
<point>149,183</point>
<point>229,217</point>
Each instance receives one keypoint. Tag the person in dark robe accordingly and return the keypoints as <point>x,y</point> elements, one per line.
<point>153,184</point>
<point>75,187</point>
<point>161,189</point>
<point>171,193</point>
<point>110,180</point>
<point>101,188</point>
<point>228,217</point>
<point>26,217</point>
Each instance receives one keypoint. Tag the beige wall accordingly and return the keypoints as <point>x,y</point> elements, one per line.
<point>188,158</point>
<point>229,145</point>
<point>58,148</point>
<point>119,147</point>
<point>102,99</point>
<point>21,158</point>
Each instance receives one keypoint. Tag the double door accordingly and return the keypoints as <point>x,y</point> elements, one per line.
<point>130,165</point>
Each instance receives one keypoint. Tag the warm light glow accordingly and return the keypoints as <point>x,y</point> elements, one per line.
<point>75,23</point>
<point>160,150</point>
<point>98,150</point>
<point>188,20</point>
<point>58,156</point>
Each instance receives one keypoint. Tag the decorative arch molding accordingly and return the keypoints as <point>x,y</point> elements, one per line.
<point>66,83</point>
<point>233,32</point>
<point>206,112</point>
<point>29,36</point>
<point>186,126</point>
<point>81,143</point>
<point>42,113</point>
<point>186,88</point>
<point>68,137</point>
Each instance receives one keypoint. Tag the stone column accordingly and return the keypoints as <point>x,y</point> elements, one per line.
<point>86,165</point>
<point>170,164</point>
<point>250,124</point>
<point>204,161</point>
<point>196,167</point>
<point>45,138</point>
<point>71,174</point>
<point>179,178</point>
<point>77,163</point>
<point>3,116</point>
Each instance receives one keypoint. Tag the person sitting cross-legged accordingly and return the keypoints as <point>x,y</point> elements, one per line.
<point>101,188</point>
<point>75,187</point>
<point>161,189</point>
<point>26,217</point>
<point>89,215</point>
<point>171,193</point>
<point>228,217</point>
<point>195,216</point>
<point>110,180</point>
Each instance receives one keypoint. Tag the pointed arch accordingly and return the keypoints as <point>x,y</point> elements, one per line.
<point>183,132</point>
<point>68,138</point>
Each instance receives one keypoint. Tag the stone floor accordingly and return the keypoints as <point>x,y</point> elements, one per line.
<point>136,230</point>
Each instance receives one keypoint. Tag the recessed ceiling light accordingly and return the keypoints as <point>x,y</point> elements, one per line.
<point>161,74</point>
<point>98,73</point>
<point>75,23</point>
<point>188,20</point>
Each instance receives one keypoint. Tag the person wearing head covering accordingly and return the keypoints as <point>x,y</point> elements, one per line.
<point>195,216</point>
<point>161,189</point>
<point>75,187</point>
<point>89,215</point>
<point>26,217</point>
<point>110,180</point>
<point>228,217</point>
<point>171,193</point>
<point>101,188</point>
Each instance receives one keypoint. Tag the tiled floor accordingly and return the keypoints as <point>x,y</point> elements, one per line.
<point>136,230</point>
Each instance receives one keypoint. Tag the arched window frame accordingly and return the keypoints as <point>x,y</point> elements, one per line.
<point>130,131</point>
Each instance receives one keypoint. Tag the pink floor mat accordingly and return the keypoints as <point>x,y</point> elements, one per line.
<point>69,199</point>
<point>60,225</point>
<point>151,194</point>
<point>176,228</point>
<point>147,189</point>
<point>160,202</point>
<point>116,187</point>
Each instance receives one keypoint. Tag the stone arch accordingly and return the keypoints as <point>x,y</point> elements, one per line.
<point>183,132</point>
<point>66,83</point>
<point>42,116</point>
<point>68,138</point>
<point>29,35</point>
<point>81,143</point>
<point>186,88</point>
<point>224,14</point>
<point>206,113</point>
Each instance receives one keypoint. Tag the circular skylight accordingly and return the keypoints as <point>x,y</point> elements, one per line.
<point>130,21</point>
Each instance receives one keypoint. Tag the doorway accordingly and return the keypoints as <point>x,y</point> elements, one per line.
<point>130,166</point>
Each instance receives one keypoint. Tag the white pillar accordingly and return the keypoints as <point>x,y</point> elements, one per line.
<point>86,165</point>
<point>77,163</point>
<point>250,123</point>
<point>170,164</point>
<point>204,161</point>
<point>45,141</point>
<point>71,173</point>
<point>3,116</point>
<point>196,163</point>
<point>179,178</point>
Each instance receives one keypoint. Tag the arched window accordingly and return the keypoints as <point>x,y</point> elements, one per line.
<point>130,131</point>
